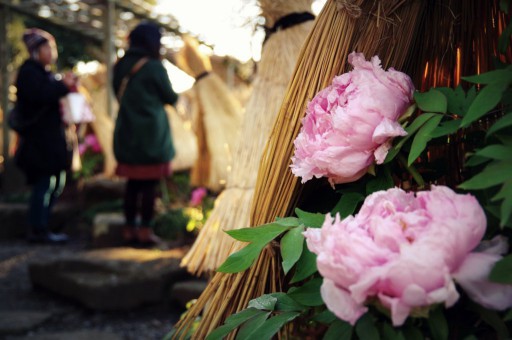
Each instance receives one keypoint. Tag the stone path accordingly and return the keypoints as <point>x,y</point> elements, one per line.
<point>90,288</point>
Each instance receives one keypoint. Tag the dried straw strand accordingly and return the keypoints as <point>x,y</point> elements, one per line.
<point>232,207</point>
<point>323,55</point>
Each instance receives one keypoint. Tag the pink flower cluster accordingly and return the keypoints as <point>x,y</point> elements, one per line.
<point>350,124</point>
<point>405,251</point>
<point>90,143</point>
<point>197,197</point>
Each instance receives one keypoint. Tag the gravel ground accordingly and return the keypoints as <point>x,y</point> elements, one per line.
<point>17,294</point>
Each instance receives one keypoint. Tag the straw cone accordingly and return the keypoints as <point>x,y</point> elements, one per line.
<point>218,123</point>
<point>335,34</point>
<point>184,140</point>
<point>232,207</point>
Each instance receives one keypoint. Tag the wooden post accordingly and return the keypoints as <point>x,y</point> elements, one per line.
<point>4,83</point>
<point>109,22</point>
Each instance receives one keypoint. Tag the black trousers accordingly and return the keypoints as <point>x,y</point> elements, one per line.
<point>139,197</point>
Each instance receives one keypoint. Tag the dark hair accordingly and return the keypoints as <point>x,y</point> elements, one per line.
<point>146,36</point>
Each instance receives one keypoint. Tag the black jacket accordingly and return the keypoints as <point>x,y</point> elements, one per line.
<point>42,149</point>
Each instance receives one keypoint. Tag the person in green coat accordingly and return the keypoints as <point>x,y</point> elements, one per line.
<point>143,143</point>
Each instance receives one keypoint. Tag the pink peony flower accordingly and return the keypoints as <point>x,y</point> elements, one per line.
<point>197,197</point>
<point>472,276</point>
<point>91,141</point>
<point>401,250</point>
<point>350,124</point>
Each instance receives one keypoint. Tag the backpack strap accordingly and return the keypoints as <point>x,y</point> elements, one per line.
<point>124,83</point>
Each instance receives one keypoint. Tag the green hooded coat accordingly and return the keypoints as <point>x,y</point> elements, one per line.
<point>142,134</point>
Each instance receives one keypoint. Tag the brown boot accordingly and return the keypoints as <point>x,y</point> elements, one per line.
<point>146,237</point>
<point>129,234</point>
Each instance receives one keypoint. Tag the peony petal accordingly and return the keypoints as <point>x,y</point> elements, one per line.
<point>472,276</point>
<point>387,129</point>
<point>340,302</point>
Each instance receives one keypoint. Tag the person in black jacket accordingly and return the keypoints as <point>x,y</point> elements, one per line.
<point>42,152</point>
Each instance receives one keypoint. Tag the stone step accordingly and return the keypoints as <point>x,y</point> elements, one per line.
<point>14,224</point>
<point>111,278</point>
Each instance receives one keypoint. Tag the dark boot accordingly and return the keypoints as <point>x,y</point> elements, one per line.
<point>146,237</point>
<point>46,237</point>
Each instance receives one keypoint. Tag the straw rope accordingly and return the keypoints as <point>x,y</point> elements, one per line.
<point>218,123</point>
<point>184,140</point>
<point>323,56</point>
<point>232,207</point>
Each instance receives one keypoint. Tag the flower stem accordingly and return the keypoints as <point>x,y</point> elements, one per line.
<point>412,170</point>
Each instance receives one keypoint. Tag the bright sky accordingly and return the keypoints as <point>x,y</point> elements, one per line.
<point>226,24</point>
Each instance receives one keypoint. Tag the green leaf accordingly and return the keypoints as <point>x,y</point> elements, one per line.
<point>493,174</point>
<point>506,211</point>
<point>423,136</point>
<point>233,322</point>
<point>306,266</point>
<point>502,123</point>
<point>508,316</point>
<point>287,221</point>
<point>437,324</point>
<point>485,101</point>
<point>431,101</point>
<point>502,271</point>
<point>411,129</point>
<point>286,303</point>
<point>475,161</point>
<point>412,333</point>
<point>446,128</point>
<point>471,337</point>
<point>325,317</point>
<point>366,329</point>
<point>291,247</point>
<point>504,38</point>
<point>504,5</point>
<point>496,151</point>
<point>339,330</point>
<point>250,326</point>
<point>242,259</point>
<point>308,294</point>
<point>492,77</point>
<point>264,302</point>
<point>505,191</point>
<point>494,320</point>
<point>271,326</point>
<point>347,204</point>
<point>383,181</point>
<point>458,100</point>
<point>310,220</point>
<point>390,333</point>
<point>266,232</point>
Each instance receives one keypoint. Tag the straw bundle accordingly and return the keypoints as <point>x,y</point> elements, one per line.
<point>217,126</point>
<point>463,41</point>
<point>185,142</point>
<point>232,207</point>
<point>103,125</point>
<point>385,27</point>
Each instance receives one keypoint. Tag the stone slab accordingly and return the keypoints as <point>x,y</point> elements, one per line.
<point>111,278</point>
<point>78,335</point>
<point>17,322</point>
<point>107,230</point>
<point>13,218</point>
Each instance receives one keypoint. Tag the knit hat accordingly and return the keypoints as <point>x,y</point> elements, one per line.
<point>35,37</point>
<point>147,36</point>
